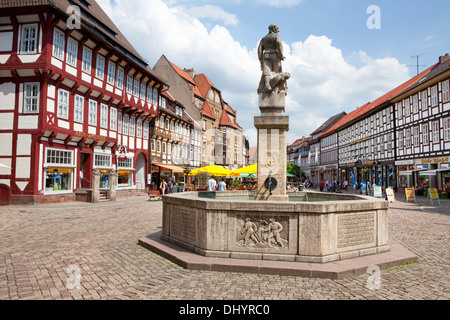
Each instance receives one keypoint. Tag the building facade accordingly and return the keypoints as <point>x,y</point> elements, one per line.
<point>75,108</point>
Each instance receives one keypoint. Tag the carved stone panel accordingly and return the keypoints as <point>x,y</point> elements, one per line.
<point>355,230</point>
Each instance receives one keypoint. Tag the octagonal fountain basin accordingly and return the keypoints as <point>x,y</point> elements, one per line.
<point>311,227</point>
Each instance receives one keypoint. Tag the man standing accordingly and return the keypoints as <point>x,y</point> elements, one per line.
<point>222,186</point>
<point>212,184</point>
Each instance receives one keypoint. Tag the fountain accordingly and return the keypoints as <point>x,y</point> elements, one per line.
<point>302,228</point>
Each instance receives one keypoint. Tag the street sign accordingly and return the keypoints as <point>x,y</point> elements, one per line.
<point>410,194</point>
<point>433,194</point>
<point>377,191</point>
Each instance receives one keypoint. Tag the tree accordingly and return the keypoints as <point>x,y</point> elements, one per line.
<point>295,170</point>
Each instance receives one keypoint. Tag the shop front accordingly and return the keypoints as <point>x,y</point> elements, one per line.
<point>59,171</point>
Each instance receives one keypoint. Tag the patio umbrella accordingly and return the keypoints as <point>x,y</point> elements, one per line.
<point>290,175</point>
<point>248,175</point>
<point>249,169</point>
<point>213,170</point>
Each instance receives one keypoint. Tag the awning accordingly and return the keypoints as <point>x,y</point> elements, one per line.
<point>410,172</point>
<point>170,167</point>
<point>433,172</point>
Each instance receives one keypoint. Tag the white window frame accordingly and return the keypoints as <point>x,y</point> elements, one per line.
<point>63,104</point>
<point>399,110</point>
<point>26,42</point>
<point>59,39</point>
<point>86,65</point>
<point>120,77</point>
<point>143,92</point>
<point>132,131</point>
<point>100,67</point>
<point>407,105</point>
<point>137,86</point>
<point>408,138</point>
<point>120,122</point>
<point>72,52</point>
<point>435,131</point>
<point>129,84</point>
<point>68,163</point>
<point>31,99</point>
<point>425,134</point>
<point>104,116</point>
<point>447,129</point>
<point>155,97</point>
<point>139,128</point>
<point>78,109</point>
<point>125,124</point>
<point>415,104</point>
<point>93,112</point>
<point>113,119</point>
<point>149,94</point>
<point>102,161</point>
<point>424,100</point>
<point>146,130</point>
<point>434,96</point>
<point>111,78</point>
<point>446,91</point>
<point>416,136</point>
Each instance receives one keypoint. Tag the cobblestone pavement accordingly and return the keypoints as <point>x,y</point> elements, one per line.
<point>40,243</point>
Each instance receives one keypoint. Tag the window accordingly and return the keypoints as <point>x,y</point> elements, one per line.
<point>416,136</point>
<point>408,138</point>
<point>161,122</point>
<point>146,127</point>
<point>447,129</point>
<point>78,109</point>
<point>63,104</point>
<point>143,91</point>
<point>128,163</point>
<point>132,127</point>
<point>100,69</point>
<point>407,105</point>
<point>139,128</point>
<point>104,116</point>
<point>399,110</point>
<point>31,98</point>
<point>120,75</point>
<point>424,98</point>
<point>445,91</point>
<point>58,179</point>
<point>119,129</point>
<point>197,102</point>
<point>58,44</point>
<point>149,94</point>
<point>155,97</point>
<point>136,88</point>
<point>169,148</point>
<point>29,38</point>
<point>111,73</point>
<point>102,161</point>
<point>72,52</point>
<point>59,157</point>
<point>129,84</point>
<point>92,113</point>
<point>158,146</point>
<point>113,119</point>
<point>435,131</point>
<point>153,144</point>
<point>434,97</point>
<point>167,124</point>
<point>164,148</point>
<point>163,103</point>
<point>415,104</point>
<point>126,121</point>
<point>87,60</point>
<point>425,134</point>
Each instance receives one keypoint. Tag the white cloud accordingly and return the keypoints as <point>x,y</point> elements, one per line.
<point>323,82</point>
<point>211,12</point>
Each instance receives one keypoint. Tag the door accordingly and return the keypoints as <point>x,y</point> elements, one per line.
<point>86,171</point>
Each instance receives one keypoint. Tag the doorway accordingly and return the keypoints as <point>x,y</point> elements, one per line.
<point>141,164</point>
<point>86,171</point>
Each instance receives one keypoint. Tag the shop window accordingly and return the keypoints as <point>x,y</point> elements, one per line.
<point>125,173</point>
<point>58,171</point>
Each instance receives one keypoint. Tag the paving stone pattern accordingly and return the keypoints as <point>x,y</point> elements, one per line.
<point>39,244</point>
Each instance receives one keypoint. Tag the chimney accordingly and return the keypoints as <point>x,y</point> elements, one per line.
<point>445,58</point>
<point>190,72</point>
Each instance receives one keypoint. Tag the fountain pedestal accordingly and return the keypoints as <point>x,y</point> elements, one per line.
<point>272,128</point>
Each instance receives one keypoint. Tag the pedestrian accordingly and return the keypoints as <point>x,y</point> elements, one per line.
<point>163,186</point>
<point>222,186</point>
<point>169,185</point>
<point>212,184</point>
<point>346,184</point>
<point>321,185</point>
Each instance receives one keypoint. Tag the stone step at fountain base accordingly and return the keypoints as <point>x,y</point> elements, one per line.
<point>332,270</point>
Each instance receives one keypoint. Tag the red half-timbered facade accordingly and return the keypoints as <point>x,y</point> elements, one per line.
<point>75,97</point>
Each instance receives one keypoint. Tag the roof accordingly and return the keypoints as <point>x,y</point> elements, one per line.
<point>208,111</point>
<point>95,20</point>
<point>331,121</point>
<point>183,73</point>
<point>368,107</point>
<point>204,84</point>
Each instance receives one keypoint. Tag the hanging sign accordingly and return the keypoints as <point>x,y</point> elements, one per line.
<point>390,194</point>
<point>122,156</point>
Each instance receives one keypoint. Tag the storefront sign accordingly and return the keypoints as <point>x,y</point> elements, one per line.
<point>422,167</point>
<point>410,194</point>
<point>90,136</point>
<point>435,160</point>
<point>122,156</point>
<point>377,191</point>
<point>404,162</point>
<point>390,194</point>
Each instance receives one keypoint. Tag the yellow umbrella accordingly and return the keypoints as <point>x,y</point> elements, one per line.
<point>249,169</point>
<point>213,170</point>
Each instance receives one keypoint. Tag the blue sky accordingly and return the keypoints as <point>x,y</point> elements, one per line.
<point>336,62</point>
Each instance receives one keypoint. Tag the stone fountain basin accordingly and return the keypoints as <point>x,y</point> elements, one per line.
<point>312,227</point>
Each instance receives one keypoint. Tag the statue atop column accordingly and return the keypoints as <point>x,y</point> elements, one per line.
<point>270,55</point>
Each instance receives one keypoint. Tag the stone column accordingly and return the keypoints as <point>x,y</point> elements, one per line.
<point>272,128</point>
<point>112,193</point>
<point>95,198</point>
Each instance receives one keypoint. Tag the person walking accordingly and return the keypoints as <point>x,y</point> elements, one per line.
<point>212,184</point>
<point>321,185</point>
<point>163,186</point>
<point>222,186</point>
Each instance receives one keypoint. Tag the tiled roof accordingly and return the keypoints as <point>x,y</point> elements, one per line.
<point>208,111</point>
<point>365,109</point>
<point>226,121</point>
<point>331,121</point>
<point>204,84</point>
<point>168,95</point>
<point>183,73</point>
<point>93,19</point>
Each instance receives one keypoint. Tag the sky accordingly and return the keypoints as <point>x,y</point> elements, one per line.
<point>341,54</point>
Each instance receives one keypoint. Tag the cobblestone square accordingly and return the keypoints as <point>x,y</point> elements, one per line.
<point>43,246</point>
